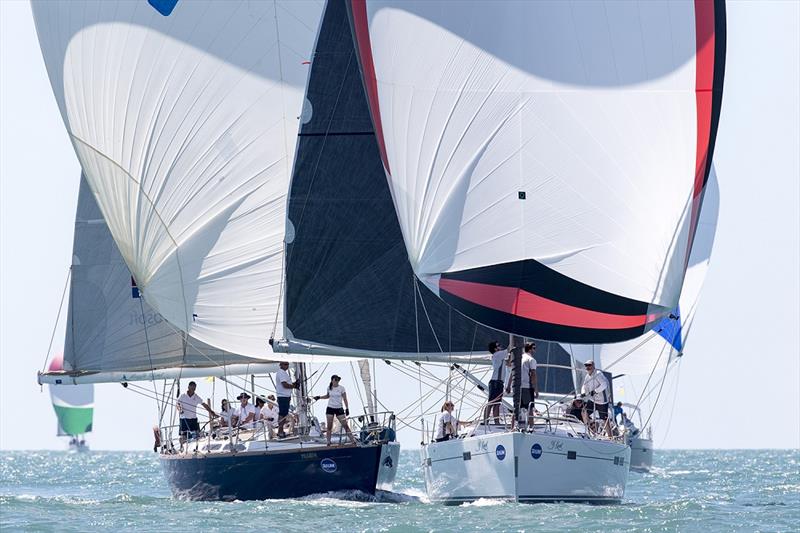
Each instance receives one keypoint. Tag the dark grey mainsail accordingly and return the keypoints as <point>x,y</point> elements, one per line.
<point>110,329</point>
<point>348,280</point>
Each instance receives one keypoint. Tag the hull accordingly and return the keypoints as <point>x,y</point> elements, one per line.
<point>273,475</point>
<point>641,454</point>
<point>525,467</point>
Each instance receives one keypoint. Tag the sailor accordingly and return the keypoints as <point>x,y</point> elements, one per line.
<point>499,358</point>
<point>338,407</point>
<point>187,409</point>
<point>618,412</point>
<point>260,403</point>
<point>595,392</point>
<point>269,414</point>
<point>447,424</point>
<point>530,386</point>
<point>245,414</point>
<point>225,414</point>
<point>284,386</point>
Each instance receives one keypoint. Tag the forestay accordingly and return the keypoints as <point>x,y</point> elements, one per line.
<point>184,116</point>
<point>547,160</point>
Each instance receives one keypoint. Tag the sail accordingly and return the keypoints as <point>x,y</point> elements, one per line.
<point>350,289</point>
<point>73,404</point>
<point>184,116</point>
<point>547,159</point>
<point>667,340</point>
<point>111,331</point>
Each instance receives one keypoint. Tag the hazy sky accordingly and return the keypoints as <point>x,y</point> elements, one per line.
<point>739,382</point>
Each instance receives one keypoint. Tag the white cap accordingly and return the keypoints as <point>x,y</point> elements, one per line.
<point>589,362</point>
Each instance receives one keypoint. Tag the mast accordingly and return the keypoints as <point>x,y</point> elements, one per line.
<point>515,346</point>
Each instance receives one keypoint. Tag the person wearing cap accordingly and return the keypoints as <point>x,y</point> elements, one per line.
<point>245,414</point>
<point>260,402</point>
<point>269,414</point>
<point>595,392</point>
<point>284,386</point>
<point>499,357</point>
<point>529,389</point>
<point>187,411</point>
<point>337,407</point>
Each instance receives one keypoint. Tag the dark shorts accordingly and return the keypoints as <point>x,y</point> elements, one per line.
<point>189,424</point>
<point>525,398</point>
<point>283,405</point>
<point>601,408</point>
<point>336,411</point>
<point>495,390</point>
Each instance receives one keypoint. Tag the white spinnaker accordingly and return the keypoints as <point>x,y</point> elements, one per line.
<point>587,107</point>
<point>651,351</point>
<point>185,126</point>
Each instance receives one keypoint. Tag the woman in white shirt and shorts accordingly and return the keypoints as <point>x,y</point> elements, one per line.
<point>338,407</point>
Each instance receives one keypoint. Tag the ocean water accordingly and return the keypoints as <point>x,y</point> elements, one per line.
<point>704,491</point>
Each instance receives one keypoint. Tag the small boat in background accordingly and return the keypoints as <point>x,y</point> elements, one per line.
<point>74,408</point>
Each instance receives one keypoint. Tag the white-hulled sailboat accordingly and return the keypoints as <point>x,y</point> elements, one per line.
<point>548,163</point>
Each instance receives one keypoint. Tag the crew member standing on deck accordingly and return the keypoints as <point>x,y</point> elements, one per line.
<point>284,386</point>
<point>338,407</point>
<point>595,391</point>
<point>499,357</point>
<point>530,386</point>
<point>187,409</point>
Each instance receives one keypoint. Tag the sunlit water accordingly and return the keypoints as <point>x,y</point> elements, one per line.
<point>111,491</point>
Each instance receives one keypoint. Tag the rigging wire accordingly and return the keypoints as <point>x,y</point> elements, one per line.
<point>58,316</point>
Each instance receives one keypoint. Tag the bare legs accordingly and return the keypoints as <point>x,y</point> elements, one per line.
<point>345,425</point>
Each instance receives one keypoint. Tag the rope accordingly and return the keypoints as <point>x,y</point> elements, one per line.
<point>58,316</point>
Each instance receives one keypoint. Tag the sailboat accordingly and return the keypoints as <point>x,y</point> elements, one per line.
<point>74,408</point>
<point>548,163</point>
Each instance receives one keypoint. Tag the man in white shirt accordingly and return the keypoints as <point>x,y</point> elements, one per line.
<point>245,414</point>
<point>595,392</point>
<point>284,387</point>
<point>187,412</point>
<point>499,357</point>
<point>529,383</point>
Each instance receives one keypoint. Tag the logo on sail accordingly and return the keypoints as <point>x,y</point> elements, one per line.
<point>328,465</point>
<point>500,452</point>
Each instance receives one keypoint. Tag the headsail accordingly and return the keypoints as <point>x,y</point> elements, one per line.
<point>667,340</point>
<point>547,177</point>
<point>350,289</point>
<point>184,120</point>
<point>73,404</point>
<point>111,332</point>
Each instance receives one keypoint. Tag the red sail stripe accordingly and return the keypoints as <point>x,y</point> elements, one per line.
<point>704,85</point>
<point>361,27</point>
<point>524,304</point>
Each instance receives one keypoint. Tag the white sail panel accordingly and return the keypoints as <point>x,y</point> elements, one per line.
<point>185,126</point>
<point>570,145</point>
<point>667,341</point>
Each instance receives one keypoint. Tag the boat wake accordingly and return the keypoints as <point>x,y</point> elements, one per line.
<point>347,497</point>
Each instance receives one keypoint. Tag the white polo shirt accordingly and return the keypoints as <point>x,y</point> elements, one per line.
<point>282,376</point>
<point>441,426</point>
<point>189,405</point>
<point>528,364</point>
<point>242,412</point>
<point>335,401</point>
<point>498,365</point>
